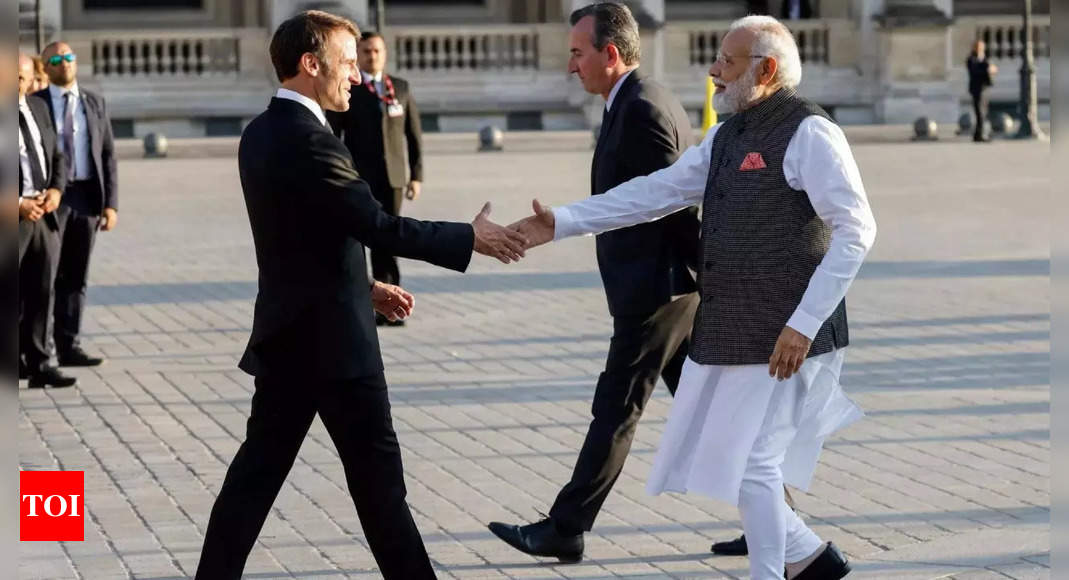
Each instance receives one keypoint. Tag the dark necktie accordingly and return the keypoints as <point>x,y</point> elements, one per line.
<point>68,133</point>
<point>36,170</point>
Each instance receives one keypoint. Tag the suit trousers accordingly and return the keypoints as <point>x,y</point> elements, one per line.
<point>384,264</point>
<point>38,260</point>
<point>979,107</point>
<point>79,220</point>
<point>356,414</point>
<point>642,349</point>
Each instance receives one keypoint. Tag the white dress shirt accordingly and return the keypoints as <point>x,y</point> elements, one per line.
<point>616,89</point>
<point>377,79</point>
<point>82,164</point>
<point>26,187</point>
<point>35,132</point>
<point>818,160</point>
<point>312,105</point>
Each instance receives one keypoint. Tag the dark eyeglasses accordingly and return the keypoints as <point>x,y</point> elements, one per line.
<point>55,60</point>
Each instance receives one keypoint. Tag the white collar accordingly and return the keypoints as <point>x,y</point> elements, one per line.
<point>616,89</point>
<point>59,92</point>
<point>22,102</point>
<point>313,106</point>
<point>377,78</point>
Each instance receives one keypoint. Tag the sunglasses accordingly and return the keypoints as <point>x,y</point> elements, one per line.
<point>55,60</point>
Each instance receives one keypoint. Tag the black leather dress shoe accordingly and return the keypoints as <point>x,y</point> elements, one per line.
<point>829,565</point>
<point>541,539</point>
<point>736,547</point>
<point>51,377</point>
<point>76,357</point>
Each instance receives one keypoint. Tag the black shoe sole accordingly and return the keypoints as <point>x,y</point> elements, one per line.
<point>80,364</point>
<point>51,385</point>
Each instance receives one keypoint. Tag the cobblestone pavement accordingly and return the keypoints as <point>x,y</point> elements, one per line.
<point>491,381</point>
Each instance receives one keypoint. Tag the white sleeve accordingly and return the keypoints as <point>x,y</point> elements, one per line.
<point>642,199</point>
<point>818,160</point>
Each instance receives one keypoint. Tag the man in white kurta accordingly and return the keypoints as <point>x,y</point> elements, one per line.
<point>738,432</point>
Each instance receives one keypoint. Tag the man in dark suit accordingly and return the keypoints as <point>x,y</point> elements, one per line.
<point>314,346</point>
<point>42,178</point>
<point>91,200</point>
<point>645,269</point>
<point>381,129</point>
<point>980,71</point>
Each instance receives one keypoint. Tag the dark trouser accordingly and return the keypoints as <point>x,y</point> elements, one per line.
<point>642,349</point>
<point>38,260</point>
<point>356,413</point>
<point>383,263</point>
<point>79,220</point>
<point>979,107</point>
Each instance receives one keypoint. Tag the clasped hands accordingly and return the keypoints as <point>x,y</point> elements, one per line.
<point>34,208</point>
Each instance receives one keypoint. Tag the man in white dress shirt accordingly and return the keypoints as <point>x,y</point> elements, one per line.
<point>786,225</point>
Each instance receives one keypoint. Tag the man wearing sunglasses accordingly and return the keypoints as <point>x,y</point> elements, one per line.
<point>90,201</point>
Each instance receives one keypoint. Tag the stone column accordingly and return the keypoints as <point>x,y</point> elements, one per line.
<point>913,62</point>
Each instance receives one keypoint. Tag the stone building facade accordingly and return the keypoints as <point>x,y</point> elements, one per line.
<point>199,67</point>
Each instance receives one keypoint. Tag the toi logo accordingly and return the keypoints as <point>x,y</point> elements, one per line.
<point>52,506</point>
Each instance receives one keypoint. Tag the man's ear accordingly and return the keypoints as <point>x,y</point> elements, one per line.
<point>769,66</point>
<point>310,63</point>
<point>612,55</point>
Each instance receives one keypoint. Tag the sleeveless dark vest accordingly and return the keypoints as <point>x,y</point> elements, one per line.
<point>761,240</point>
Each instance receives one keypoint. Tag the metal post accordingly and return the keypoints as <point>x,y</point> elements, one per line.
<point>1028,106</point>
<point>380,15</point>
<point>39,26</point>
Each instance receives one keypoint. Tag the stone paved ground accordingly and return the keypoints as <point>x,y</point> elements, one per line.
<point>491,381</point>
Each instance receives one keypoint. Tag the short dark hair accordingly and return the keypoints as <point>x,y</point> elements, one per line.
<point>613,23</point>
<point>308,31</point>
<point>372,34</point>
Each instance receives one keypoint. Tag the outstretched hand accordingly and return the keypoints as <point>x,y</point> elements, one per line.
<point>391,301</point>
<point>539,228</point>
<point>497,241</point>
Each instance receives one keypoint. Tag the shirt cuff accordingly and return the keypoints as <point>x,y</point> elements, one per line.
<point>563,223</point>
<point>804,323</point>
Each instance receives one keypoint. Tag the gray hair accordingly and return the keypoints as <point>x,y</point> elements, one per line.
<point>613,23</point>
<point>773,39</point>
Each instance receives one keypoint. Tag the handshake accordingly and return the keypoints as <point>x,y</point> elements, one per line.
<point>508,244</point>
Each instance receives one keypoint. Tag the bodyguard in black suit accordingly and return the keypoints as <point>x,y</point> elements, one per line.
<point>980,71</point>
<point>382,131</point>
<point>42,178</point>
<point>645,269</point>
<point>91,200</point>
<point>314,347</point>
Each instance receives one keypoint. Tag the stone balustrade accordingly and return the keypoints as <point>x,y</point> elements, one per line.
<point>474,49</point>
<point>1003,35</point>
<point>193,53</point>
<point>704,37</point>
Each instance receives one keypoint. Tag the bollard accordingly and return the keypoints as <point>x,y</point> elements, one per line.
<point>925,129</point>
<point>155,145</point>
<point>1003,124</point>
<point>491,139</point>
<point>965,124</point>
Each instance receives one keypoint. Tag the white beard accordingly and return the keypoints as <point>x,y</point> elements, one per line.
<point>738,94</point>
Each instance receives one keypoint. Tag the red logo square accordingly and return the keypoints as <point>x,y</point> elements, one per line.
<point>51,506</point>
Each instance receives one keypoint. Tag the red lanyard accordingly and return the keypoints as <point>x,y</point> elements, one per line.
<point>390,97</point>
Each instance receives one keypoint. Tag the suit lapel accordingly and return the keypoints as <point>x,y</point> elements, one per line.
<point>608,120</point>
<point>42,116</point>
